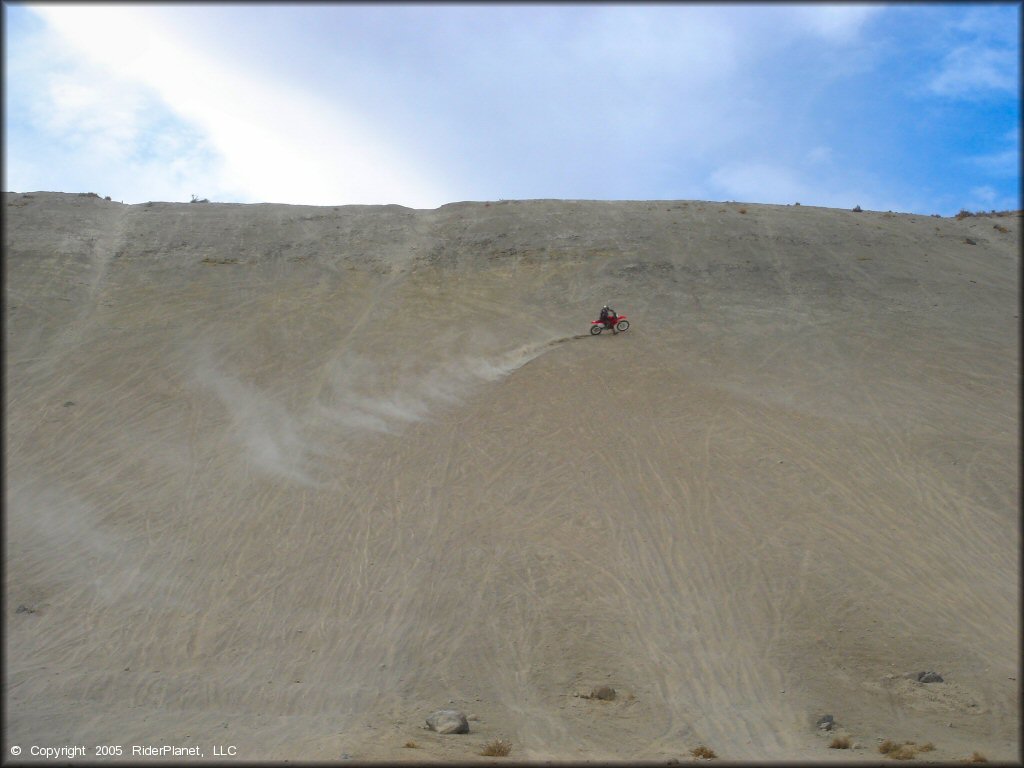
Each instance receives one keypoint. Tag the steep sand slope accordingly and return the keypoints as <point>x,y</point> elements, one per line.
<point>291,478</point>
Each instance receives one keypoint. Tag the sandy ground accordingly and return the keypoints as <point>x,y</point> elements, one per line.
<point>289,479</point>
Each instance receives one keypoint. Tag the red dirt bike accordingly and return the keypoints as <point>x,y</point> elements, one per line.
<point>617,324</point>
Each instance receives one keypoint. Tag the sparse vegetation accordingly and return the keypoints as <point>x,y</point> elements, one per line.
<point>743,210</point>
<point>964,213</point>
<point>905,751</point>
<point>857,209</point>
<point>1000,228</point>
<point>497,748</point>
<point>976,757</point>
<point>195,199</point>
<point>88,194</point>
<point>704,753</point>
<point>840,742</point>
<point>411,745</point>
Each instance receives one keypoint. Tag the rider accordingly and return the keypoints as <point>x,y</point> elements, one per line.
<point>608,316</point>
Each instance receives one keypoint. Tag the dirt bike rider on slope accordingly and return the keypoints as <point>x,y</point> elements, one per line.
<point>608,317</point>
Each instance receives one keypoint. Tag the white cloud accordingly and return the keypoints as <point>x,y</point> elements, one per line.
<point>988,198</point>
<point>985,194</point>
<point>971,70</point>
<point>273,143</point>
<point>698,45</point>
<point>834,23</point>
<point>423,105</point>
<point>759,182</point>
<point>1003,164</point>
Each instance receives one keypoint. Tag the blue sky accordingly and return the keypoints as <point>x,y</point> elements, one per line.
<point>911,108</point>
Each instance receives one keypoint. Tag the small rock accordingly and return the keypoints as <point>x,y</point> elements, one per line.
<point>826,722</point>
<point>24,609</point>
<point>929,677</point>
<point>605,693</point>
<point>448,721</point>
<point>969,241</point>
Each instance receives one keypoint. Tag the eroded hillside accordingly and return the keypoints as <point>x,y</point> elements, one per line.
<point>296,477</point>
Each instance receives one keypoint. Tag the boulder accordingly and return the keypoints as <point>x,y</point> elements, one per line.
<point>448,721</point>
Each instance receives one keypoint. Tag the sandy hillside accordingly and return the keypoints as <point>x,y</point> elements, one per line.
<point>291,478</point>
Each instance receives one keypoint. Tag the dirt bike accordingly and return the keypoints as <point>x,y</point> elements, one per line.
<point>617,324</point>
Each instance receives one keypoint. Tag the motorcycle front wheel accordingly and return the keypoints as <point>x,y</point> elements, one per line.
<point>595,329</point>
<point>623,325</point>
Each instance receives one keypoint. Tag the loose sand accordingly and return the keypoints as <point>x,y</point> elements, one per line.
<point>291,478</point>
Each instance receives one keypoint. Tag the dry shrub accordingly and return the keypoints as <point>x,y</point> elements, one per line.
<point>497,748</point>
<point>743,210</point>
<point>703,752</point>
<point>966,214</point>
<point>411,745</point>
<point>839,742</point>
<point>976,757</point>
<point>1000,227</point>
<point>905,751</point>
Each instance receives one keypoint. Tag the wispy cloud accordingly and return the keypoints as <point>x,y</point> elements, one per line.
<point>984,53</point>
<point>765,182</point>
<point>977,70</point>
<point>272,143</point>
<point>834,23</point>
<point>423,104</point>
